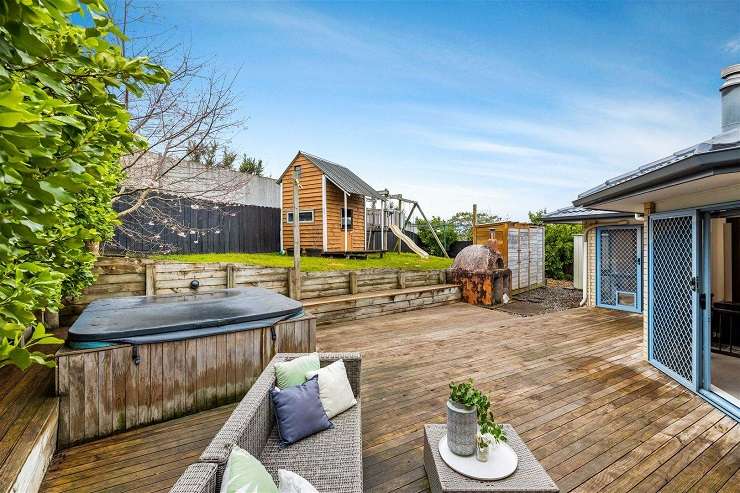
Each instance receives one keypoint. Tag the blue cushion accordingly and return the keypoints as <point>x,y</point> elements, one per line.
<point>298,411</point>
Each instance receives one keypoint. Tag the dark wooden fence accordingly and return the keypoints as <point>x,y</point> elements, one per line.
<point>182,225</point>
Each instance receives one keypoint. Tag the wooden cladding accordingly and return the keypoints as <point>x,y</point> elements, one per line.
<point>103,391</point>
<point>130,277</point>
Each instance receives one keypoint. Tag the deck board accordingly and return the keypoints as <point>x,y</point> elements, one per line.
<point>574,384</point>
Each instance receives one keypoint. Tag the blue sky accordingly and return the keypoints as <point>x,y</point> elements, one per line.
<point>513,106</point>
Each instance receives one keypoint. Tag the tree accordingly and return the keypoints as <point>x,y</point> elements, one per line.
<point>463,222</point>
<point>251,166</point>
<point>62,133</point>
<point>184,120</point>
<point>445,231</point>
<point>558,246</point>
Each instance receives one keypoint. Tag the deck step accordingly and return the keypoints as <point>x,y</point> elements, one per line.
<point>374,303</point>
<point>28,427</point>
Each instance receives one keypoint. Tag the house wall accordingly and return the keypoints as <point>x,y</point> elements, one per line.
<point>590,228</point>
<point>309,198</point>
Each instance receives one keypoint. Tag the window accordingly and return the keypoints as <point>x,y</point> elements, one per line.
<point>303,217</point>
<point>346,218</point>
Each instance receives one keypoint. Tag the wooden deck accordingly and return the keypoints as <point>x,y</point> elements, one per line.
<point>573,384</point>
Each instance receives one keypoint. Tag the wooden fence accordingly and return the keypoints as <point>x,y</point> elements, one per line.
<point>121,276</point>
<point>197,227</point>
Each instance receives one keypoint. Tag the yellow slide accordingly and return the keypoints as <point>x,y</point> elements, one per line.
<point>409,242</point>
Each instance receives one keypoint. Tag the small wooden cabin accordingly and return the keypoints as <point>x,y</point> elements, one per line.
<point>328,194</point>
<point>523,249</point>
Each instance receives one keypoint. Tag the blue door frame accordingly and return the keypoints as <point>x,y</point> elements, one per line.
<point>637,308</point>
<point>701,331</point>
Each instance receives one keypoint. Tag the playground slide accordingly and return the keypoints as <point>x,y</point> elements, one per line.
<point>409,242</point>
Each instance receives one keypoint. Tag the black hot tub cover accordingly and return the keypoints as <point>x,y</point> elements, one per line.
<point>144,319</point>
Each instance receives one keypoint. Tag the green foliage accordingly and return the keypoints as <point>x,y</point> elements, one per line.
<point>445,232</point>
<point>558,246</point>
<point>466,394</point>
<point>251,165</point>
<point>463,222</point>
<point>62,132</point>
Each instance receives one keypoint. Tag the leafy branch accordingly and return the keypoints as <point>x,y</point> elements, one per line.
<point>466,394</point>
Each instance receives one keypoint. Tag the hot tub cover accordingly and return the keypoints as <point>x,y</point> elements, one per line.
<point>143,319</point>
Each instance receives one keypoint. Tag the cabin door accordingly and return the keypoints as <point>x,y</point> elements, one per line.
<point>673,314</point>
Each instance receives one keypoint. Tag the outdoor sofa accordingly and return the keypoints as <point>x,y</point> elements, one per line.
<point>330,460</point>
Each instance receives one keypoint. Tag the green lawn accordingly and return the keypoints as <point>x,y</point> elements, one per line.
<point>407,261</point>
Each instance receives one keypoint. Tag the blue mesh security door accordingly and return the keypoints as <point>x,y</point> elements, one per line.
<point>673,298</point>
<point>619,268</point>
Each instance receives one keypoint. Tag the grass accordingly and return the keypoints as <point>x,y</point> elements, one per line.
<point>406,261</point>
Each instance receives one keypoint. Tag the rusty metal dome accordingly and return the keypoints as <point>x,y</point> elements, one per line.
<point>479,258</point>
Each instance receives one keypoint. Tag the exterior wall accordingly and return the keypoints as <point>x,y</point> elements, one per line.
<point>335,233</point>
<point>309,198</point>
<point>590,227</point>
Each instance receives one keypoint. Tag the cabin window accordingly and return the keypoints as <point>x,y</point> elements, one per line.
<point>346,218</point>
<point>303,217</point>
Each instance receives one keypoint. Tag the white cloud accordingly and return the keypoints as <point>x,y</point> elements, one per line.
<point>733,45</point>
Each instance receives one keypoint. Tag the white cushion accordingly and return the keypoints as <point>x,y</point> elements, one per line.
<point>290,482</point>
<point>335,391</point>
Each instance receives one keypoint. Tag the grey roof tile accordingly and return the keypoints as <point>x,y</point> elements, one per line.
<point>581,214</point>
<point>343,177</point>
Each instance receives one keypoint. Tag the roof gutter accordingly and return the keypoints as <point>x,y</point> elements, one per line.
<point>698,163</point>
<point>577,219</point>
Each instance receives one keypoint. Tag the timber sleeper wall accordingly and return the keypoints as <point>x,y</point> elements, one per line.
<point>118,276</point>
<point>116,388</point>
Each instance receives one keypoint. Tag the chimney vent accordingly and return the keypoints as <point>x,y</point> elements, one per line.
<point>730,91</point>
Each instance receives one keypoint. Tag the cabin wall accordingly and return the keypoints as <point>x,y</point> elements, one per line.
<point>335,233</point>
<point>310,198</point>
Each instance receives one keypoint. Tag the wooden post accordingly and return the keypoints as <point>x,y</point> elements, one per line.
<point>400,205</point>
<point>401,280</point>
<point>296,234</point>
<point>475,222</point>
<point>382,224</point>
<point>150,280</point>
<point>352,282</point>
<point>434,233</point>
<point>230,276</point>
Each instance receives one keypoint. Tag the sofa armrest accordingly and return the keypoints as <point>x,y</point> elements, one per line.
<point>197,478</point>
<point>249,425</point>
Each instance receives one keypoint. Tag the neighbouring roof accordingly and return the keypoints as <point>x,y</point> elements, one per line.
<point>700,157</point>
<point>577,214</point>
<point>342,177</point>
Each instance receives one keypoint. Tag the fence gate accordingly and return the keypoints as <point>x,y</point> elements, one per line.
<point>619,273</point>
<point>674,300</point>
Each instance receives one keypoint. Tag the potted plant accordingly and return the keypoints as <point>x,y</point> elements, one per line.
<point>470,424</point>
<point>489,432</point>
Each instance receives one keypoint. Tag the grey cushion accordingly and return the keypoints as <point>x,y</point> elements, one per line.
<point>298,411</point>
<point>323,459</point>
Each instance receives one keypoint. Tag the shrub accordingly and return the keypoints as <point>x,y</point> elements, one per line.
<point>62,132</point>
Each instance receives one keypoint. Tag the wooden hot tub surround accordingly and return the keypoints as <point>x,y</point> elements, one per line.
<point>116,388</point>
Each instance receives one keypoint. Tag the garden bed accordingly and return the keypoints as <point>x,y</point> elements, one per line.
<point>552,298</point>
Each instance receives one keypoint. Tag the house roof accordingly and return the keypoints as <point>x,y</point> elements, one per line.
<point>577,214</point>
<point>341,176</point>
<point>721,150</point>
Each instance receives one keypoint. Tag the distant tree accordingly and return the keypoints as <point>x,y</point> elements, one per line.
<point>558,246</point>
<point>463,222</point>
<point>228,158</point>
<point>445,231</point>
<point>251,165</point>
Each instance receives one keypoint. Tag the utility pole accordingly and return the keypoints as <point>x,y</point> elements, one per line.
<point>296,234</point>
<point>475,222</point>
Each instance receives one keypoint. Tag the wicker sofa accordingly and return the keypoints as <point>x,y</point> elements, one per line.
<point>330,460</point>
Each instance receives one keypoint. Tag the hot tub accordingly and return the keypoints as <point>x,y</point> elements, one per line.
<point>150,319</point>
<point>139,360</point>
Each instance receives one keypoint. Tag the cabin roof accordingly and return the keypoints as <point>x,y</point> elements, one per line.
<point>341,176</point>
